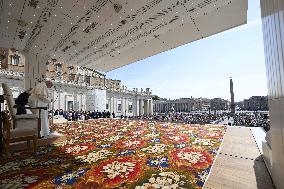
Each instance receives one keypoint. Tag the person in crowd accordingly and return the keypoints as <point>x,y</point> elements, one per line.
<point>94,115</point>
<point>56,112</point>
<point>99,114</point>
<point>104,114</point>
<point>108,114</point>
<point>22,101</point>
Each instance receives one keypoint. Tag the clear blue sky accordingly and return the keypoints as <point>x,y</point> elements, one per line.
<point>203,68</point>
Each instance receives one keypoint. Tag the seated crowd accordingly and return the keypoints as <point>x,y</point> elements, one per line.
<point>252,120</point>
<point>248,119</point>
<point>72,115</point>
<point>202,118</point>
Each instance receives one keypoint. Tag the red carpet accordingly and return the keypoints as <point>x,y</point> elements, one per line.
<point>118,154</point>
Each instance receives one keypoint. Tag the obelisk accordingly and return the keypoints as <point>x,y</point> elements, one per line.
<point>232,96</point>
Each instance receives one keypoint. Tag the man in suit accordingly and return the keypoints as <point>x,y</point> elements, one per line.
<point>22,101</point>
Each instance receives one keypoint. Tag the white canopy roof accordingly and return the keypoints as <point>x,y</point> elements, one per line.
<point>107,34</point>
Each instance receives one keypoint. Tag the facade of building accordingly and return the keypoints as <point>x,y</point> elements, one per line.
<point>11,60</point>
<point>129,103</point>
<point>201,104</point>
<point>179,105</point>
<point>190,104</point>
<point>239,105</point>
<point>218,104</point>
<point>256,103</point>
<point>78,88</point>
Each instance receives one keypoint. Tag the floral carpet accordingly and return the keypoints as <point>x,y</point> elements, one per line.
<point>118,154</point>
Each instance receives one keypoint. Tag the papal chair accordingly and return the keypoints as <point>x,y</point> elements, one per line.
<point>32,121</point>
<point>12,135</point>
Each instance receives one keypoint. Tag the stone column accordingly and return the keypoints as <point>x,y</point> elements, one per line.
<point>110,104</point>
<point>81,102</point>
<point>56,97</point>
<point>151,107</point>
<point>59,92</point>
<point>134,106</point>
<point>157,108</point>
<point>136,109</point>
<point>272,13</point>
<point>141,112</point>
<point>76,103</point>
<point>148,107</point>
<point>145,107</point>
<point>125,111</point>
<point>35,69</point>
<point>122,106</point>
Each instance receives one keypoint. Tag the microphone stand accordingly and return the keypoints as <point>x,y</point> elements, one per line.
<point>52,114</point>
<point>52,106</point>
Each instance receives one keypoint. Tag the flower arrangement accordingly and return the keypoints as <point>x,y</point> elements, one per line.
<point>109,153</point>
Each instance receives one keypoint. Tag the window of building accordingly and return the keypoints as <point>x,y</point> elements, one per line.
<point>15,60</point>
<point>119,105</point>
<point>72,77</point>
<point>88,80</point>
<point>70,105</point>
<point>129,107</point>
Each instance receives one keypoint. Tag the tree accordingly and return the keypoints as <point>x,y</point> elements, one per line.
<point>155,97</point>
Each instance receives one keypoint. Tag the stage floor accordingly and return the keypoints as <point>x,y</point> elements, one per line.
<point>239,163</point>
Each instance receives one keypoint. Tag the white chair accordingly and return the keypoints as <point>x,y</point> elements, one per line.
<point>11,135</point>
<point>32,121</point>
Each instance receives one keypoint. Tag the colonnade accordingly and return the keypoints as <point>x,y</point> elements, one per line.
<point>76,100</point>
<point>115,102</point>
<point>129,104</point>
<point>163,107</point>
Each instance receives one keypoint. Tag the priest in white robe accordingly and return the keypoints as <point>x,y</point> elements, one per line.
<point>40,98</point>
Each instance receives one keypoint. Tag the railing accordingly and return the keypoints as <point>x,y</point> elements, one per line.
<point>12,74</point>
<point>9,74</point>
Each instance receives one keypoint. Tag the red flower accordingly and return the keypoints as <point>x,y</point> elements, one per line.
<point>192,158</point>
<point>176,138</point>
<point>130,144</point>
<point>77,149</point>
<point>113,172</point>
